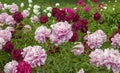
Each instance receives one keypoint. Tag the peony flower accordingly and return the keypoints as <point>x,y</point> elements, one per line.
<point>18,16</point>
<point>95,1</point>
<point>97,16</point>
<point>100,6</point>
<point>43,19</point>
<point>10,20</point>
<point>1,6</point>
<point>96,39</point>
<point>10,29</point>
<point>11,67</point>
<point>49,14</point>
<point>2,42</point>
<point>25,13</point>
<point>74,38</point>
<point>3,17</point>
<point>16,55</point>
<point>6,35</point>
<point>95,57</point>
<point>61,32</point>
<point>78,49</point>
<point>34,19</point>
<point>35,56</point>
<point>36,11</point>
<point>27,28</point>
<point>13,8</point>
<point>87,8</point>
<point>81,71</point>
<point>49,9</point>
<point>23,67</point>
<point>42,33</point>
<point>69,11</point>
<point>5,6</point>
<point>36,6</point>
<point>8,47</point>
<point>55,11</point>
<point>75,18</point>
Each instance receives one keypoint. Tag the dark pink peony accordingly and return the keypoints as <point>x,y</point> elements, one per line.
<point>60,16</point>
<point>95,1</point>
<point>76,26</point>
<point>69,11</point>
<point>68,18</point>
<point>100,6</point>
<point>97,16</point>
<point>18,16</point>
<point>74,37</point>
<point>24,67</point>
<point>75,18</point>
<point>55,11</point>
<point>87,8</point>
<point>16,54</point>
<point>43,19</point>
<point>8,47</point>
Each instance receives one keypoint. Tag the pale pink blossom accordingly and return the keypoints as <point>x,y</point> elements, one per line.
<point>95,57</point>
<point>78,49</point>
<point>96,39</point>
<point>35,56</point>
<point>42,33</point>
<point>13,8</point>
<point>25,13</point>
<point>115,40</point>
<point>61,32</point>
<point>10,29</point>
<point>3,17</point>
<point>6,35</point>
<point>11,67</point>
<point>10,20</point>
<point>34,19</point>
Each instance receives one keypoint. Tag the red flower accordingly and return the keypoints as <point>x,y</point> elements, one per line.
<point>16,54</point>
<point>74,37</point>
<point>76,26</point>
<point>43,19</point>
<point>18,16</point>
<point>24,67</point>
<point>8,47</point>
<point>95,1</point>
<point>55,11</point>
<point>75,18</point>
<point>97,16</point>
<point>60,16</point>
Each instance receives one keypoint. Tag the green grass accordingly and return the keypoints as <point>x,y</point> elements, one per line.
<point>63,61</point>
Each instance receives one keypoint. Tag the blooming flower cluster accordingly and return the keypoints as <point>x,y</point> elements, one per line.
<point>61,32</point>
<point>96,39</point>
<point>35,56</point>
<point>42,33</point>
<point>109,58</point>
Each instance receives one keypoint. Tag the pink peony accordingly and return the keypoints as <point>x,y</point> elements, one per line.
<point>10,29</point>
<point>10,20</point>
<point>96,39</point>
<point>13,8</point>
<point>95,1</point>
<point>87,8</point>
<point>23,67</point>
<point>35,55</point>
<point>3,17</point>
<point>42,33</point>
<point>78,49</point>
<point>97,16</point>
<point>10,67</point>
<point>95,57</point>
<point>61,32</point>
<point>115,40</point>
<point>6,35</point>
<point>34,19</point>
<point>25,13</point>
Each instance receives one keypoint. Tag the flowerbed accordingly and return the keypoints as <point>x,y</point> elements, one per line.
<point>55,39</point>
